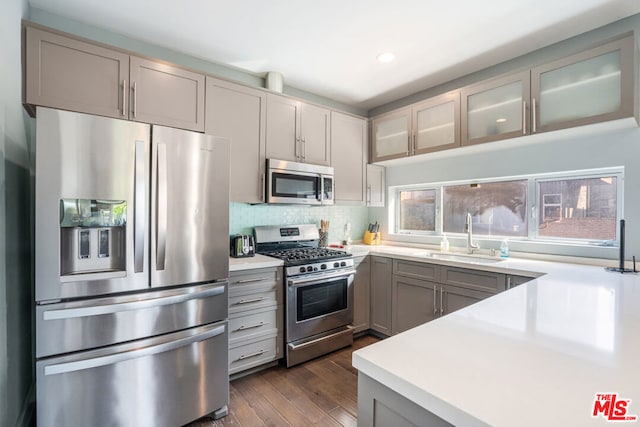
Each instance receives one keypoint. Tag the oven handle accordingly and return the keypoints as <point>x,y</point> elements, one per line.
<point>348,329</point>
<point>319,279</point>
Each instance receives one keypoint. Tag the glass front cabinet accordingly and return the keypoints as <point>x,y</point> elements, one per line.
<point>496,109</point>
<point>589,87</point>
<point>431,125</point>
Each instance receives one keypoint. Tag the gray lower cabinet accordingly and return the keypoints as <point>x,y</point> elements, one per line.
<point>381,294</point>
<point>475,279</point>
<point>239,113</point>
<point>349,133</point>
<point>453,298</point>
<point>380,406</point>
<point>415,302</point>
<point>66,72</point>
<point>361,294</point>
<point>255,318</point>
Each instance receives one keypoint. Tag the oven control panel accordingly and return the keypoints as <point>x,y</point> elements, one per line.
<point>326,265</point>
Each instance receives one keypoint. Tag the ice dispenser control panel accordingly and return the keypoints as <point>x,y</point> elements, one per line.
<point>92,236</point>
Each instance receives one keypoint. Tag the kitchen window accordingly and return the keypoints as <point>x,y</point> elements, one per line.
<point>577,208</point>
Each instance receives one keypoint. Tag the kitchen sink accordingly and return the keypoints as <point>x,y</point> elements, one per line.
<point>476,259</point>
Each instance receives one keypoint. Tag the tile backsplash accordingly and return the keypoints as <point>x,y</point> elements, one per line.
<point>243,217</point>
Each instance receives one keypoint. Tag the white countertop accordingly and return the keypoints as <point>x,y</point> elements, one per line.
<point>256,261</point>
<point>535,355</point>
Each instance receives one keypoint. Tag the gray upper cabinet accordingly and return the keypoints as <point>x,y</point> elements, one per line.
<point>297,131</point>
<point>496,109</point>
<point>350,135</point>
<point>593,86</point>
<point>166,95</point>
<point>376,186</point>
<point>436,124</point>
<point>239,113</point>
<point>73,75</point>
<point>391,136</point>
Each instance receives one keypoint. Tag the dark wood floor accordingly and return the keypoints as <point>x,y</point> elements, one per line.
<point>321,392</point>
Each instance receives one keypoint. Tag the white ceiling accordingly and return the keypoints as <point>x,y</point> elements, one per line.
<point>329,47</point>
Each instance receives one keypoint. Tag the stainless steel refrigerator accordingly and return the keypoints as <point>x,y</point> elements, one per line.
<point>131,272</point>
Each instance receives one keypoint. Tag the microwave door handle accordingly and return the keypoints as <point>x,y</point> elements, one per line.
<point>321,198</point>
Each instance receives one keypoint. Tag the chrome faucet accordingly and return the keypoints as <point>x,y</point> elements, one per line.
<point>468,228</point>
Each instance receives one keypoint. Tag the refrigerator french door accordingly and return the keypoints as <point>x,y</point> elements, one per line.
<point>131,272</point>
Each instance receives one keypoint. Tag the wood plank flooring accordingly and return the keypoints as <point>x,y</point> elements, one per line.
<point>321,392</point>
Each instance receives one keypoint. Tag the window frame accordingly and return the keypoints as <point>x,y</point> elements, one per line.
<point>533,197</point>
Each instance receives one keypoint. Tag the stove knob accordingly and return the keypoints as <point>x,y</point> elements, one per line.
<point>302,269</point>
<point>309,269</point>
<point>336,264</point>
<point>315,268</point>
<point>323,267</point>
<point>343,264</point>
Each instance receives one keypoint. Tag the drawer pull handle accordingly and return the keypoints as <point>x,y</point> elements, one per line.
<point>258,279</point>
<point>248,356</point>
<point>245,327</point>
<point>249,301</point>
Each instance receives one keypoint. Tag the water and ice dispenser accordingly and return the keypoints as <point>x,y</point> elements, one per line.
<point>92,236</point>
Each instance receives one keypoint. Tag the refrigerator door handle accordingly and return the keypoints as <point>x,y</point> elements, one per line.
<point>112,359</point>
<point>161,208</point>
<point>139,207</point>
<point>96,310</point>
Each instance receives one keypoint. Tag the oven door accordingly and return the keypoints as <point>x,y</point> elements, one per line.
<point>293,187</point>
<point>319,303</point>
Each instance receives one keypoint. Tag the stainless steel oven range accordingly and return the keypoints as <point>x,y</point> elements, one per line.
<point>318,287</point>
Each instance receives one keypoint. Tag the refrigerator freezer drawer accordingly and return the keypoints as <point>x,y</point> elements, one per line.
<point>81,325</point>
<point>168,380</point>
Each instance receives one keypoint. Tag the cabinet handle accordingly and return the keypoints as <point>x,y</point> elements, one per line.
<point>408,143</point>
<point>415,143</point>
<point>524,117</point>
<point>533,107</point>
<point>296,150</point>
<point>262,189</point>
<point>435,296</point>
<point>441,306</point>
<point>248,356</point>
<point>368,194</point>
<point>249,301</point>
<point>508,282</point>
<point>304,149</point>
<point>257,279</point>
<point>245,327</point>
<point>124,98</point>
<point>135,100</point>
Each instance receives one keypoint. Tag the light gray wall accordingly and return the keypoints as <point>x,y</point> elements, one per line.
<point>596,146</point>
<point>16,184</point>
<point>61,23</point>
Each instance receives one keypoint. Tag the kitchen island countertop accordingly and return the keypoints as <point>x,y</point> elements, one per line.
<point>534,355</point>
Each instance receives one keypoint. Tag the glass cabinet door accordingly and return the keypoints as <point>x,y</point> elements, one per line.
<point>436,124</point>
<point>497,109</point>
<point>589,87</point>
<point>390,136</point>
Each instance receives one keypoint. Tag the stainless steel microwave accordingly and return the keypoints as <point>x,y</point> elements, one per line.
<point>299,183</point>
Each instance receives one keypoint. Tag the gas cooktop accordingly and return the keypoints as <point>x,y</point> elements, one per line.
<point>304,255</point>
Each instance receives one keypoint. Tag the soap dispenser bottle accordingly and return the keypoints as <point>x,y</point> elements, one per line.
<point>504,249</point>
<point>444,244</point>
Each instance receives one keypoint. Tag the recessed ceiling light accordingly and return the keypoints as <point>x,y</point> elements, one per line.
<point>386,57</point>
<point>501,120</point>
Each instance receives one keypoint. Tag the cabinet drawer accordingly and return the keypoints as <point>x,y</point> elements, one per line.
<point>481,280</point>
<point>253,301</point>
<point>242,283</point>
<point>250,355</point>
<point>250,326</point>
<point>416,270</point>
